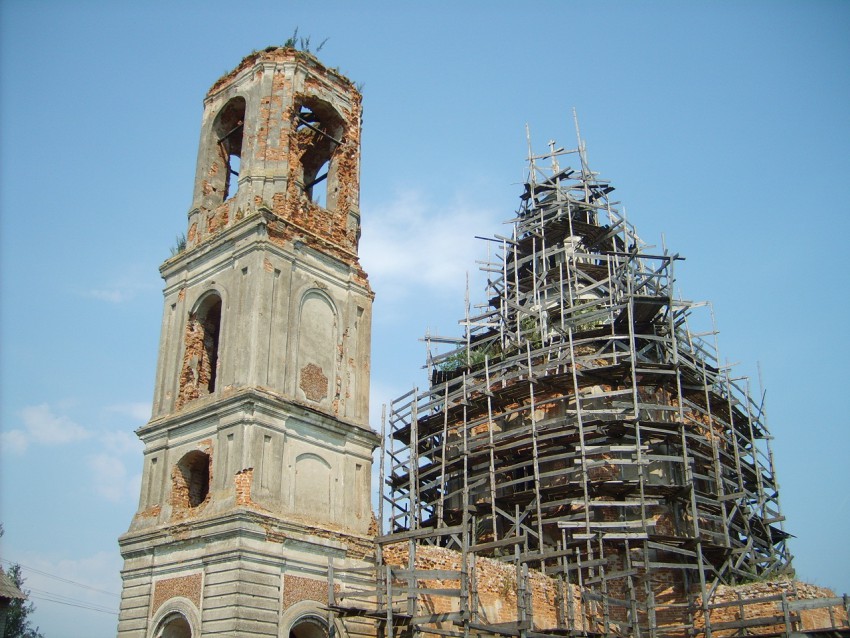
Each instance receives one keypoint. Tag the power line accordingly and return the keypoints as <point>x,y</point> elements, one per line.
<point>62,598</point>
<point>49,598</point>
<point>59,578</point>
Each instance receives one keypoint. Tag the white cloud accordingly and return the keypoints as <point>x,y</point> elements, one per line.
<point>43,426</point>
<point>380,393</point>
<point>121,442</point>
<point>13,441</point>
<point>139,411</point>
<point>111,479</point>
<point>411,243</point>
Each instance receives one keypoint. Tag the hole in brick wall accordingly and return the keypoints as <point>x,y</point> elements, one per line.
<point>211,324</point>
<point>229,127</point>
<point>200,358</point>
<point>320,129</point>
<point>191,479</point>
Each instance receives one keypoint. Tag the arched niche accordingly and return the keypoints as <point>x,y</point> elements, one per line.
<point>316,355</point>
<point>312,487</point>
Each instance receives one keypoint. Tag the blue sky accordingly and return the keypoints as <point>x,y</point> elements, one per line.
<point>724,126</point>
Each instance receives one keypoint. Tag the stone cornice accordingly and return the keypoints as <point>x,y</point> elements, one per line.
<point>247,399</point>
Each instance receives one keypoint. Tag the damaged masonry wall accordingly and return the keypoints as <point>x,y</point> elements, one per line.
<point>269,296</point>
<point>580,433</point>
<point>258,453</point>
<point>547,603</point>
<point>278,170</point>
<point>298,152</point>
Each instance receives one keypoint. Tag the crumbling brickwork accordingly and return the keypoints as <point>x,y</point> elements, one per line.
<point>314,382</point>
<point>190,482</point>
<point>496,586</point>
<point>273,228</point>
<point>200,357</point>
<point>243,480</point>
<point>762,607</point>
<point>756,606</point>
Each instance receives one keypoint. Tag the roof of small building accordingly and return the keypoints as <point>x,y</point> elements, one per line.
<point>8,589</point>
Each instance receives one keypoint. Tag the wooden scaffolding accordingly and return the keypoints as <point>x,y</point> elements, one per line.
<point>579,430</point>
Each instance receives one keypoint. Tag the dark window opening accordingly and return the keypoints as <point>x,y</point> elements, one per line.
<point>229,128</point>
<point>211,325</point>
<point>192,479</point>
<point>175,626</point>
<point>320,129</point>
<point>309,627</point>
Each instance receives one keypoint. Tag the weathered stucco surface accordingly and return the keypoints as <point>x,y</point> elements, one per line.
<point>258,455</point>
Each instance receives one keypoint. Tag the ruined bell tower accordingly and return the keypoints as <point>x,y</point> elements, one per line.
<point>257,457</point>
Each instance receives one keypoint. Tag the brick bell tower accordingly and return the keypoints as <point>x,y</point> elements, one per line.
<point>258,454</point>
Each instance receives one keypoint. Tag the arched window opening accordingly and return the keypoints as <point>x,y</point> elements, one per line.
<point>200,359</point>
<point>211,324</point>
<point>174,626</point>
<point>309,627</point>
<point>191,480</point>
<point>228,129</point>
<point>320,130</point>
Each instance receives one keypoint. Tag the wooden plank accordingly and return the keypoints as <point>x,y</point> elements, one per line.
<point>422,574</point>
<point>419,533</point>
<point>537,556</point>
<point>510,540</point>
<point>591,563</point>
<point>431,618</point>
<point>442,632</point>
<point>360,593</point>
<point>611,576</point>
<point>754,622</point>
<point>746,601</point>
<point>601,598</point>
<point>428,590</point>
<point>630,503</point>
<point>672,548</point>
<point>654,565</point>
<point>512,628</point>
<point>815,603</point>
<point>594,525</point>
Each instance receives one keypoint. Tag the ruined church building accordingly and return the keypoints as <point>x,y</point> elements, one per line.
<point>580,464</point>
